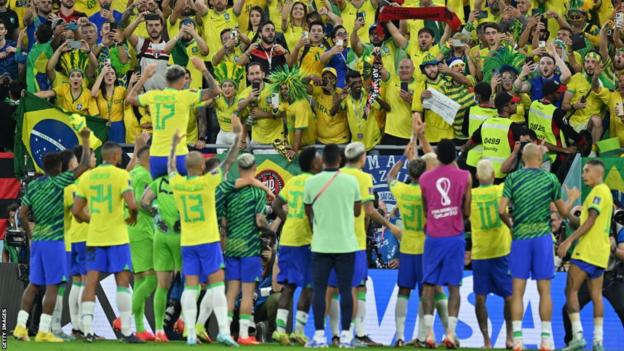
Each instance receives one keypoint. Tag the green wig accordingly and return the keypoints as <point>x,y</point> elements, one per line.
<point>293,78</point>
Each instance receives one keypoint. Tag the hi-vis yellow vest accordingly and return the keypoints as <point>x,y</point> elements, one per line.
<point>495,142</point>
<point>540,121</point>
<point>477,116</point>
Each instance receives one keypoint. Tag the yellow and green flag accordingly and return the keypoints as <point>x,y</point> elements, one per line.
<point>43,128</point>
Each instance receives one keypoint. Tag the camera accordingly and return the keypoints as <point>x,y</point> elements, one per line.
<point>618,216</point>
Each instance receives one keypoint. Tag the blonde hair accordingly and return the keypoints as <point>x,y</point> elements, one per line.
<point>485,170</point>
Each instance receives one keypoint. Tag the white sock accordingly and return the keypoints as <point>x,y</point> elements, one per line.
<point>577,327</point>
<point>219,306</point>
<point>400,312</point>
<point>334,315</point>
<point>422,328</point>
<point>57,314</point>
<point>243,322</point>
<point>205,308</point>
<point>44,323</point>
<point>441,305</point>
<point>124,304</point>
<point>87,308</point>
<point>546,330</point>
<point>281,320</point>
<point>428,322</point>
<point>360,314</point>
<point>82,287</point>
<point>598,333</point>
<point>452,325</point>
<point>74,306</point>
<point>346,336</point>
<point>516,327</point>
<point>319,336</point>
<point>189,308</point>
<point>22,318</point>
<point>301,319</point>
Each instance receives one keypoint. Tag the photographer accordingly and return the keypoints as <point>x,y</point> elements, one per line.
<point>8,252</point>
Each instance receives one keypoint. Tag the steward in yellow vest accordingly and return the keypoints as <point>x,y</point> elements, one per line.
<point>476,116</point>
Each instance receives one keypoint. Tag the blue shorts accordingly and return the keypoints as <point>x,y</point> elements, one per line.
<point>360,271</point>
<point>295,266</point>
<point>244,269</point>
<point>410,271</point>
<point>532,258</point>
<point>592,271</point>
<point>48,262</point>
<point>158,165</point>
<point>117,132</point>
<point>202,260</point>
<point>491,275</point>
<point>78,258</point>
<point>109,259</point>
<point>443,260</point>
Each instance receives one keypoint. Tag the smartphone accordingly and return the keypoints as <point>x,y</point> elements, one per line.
<point>340,42</point>
<point>542,44</point>
<point>482,14</point>
<point>152,17</point>
<point>275,101</point>
<point>106,6</point>
<point>536,12</point>
<point>529,60</point>
<point>75,44</point>
<point>113,26</point>
<point>187,21</point>
<point>456,43</point>
<point>578,42</point>
<point>306,35</point>
<point>361,15</point>
<point>404,86</point>
<point>255,85</point>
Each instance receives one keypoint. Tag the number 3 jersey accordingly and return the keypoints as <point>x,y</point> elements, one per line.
<point>103,188</point>
<point>490,236</point>
<point>195,200</point>
<point>410,204</point>
<point>169,110</point>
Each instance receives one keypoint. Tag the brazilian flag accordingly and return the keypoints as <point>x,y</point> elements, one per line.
<point>43,128</point>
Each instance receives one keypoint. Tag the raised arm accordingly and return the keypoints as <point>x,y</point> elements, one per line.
<point>95,90</point>
<point>564,208</point>
<point>399,40</point>
<point>234,148</point>
<point>149,71</point>
<point>356,44</point>
<point>54,59</point>
<point>83,166</point>
<point>129,31</point>
<point>171,160</point>
<point>213,87</point>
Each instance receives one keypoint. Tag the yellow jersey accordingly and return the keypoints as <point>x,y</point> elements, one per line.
<point>88,7</point>
<point>296,230</point>
<point>410,204</point>
<point>330,129</point>
<point>243,17</point>
<point>580,86</point>
<point>265,130</point>
<point>292,36</point>
<point>195,200</point>
<point>74,232</point>
<point>311,63</point>
<point>364,129</point>
<point>491,238</point>
<point>214,23</point>
<point>418,55</point>
<point>112,109</point>
<point>103,188</point>
<point>299,116</point>
<point>349,15</point>
<point>365,183</point>
<point>225,110</point>
<point>170,110</point>
<point>84,104</point>
<point>594,246</point>
<point>399,119</point>
<point>437,129</point>
<point>20,7</point>
<point>615,102</point>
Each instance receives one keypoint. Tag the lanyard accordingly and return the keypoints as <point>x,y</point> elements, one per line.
<point>269,57</point>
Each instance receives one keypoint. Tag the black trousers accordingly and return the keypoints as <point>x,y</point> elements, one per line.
<point>612,290</point>
<point>343,264</point>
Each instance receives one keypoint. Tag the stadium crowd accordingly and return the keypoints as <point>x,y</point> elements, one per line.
<point>507,92</point>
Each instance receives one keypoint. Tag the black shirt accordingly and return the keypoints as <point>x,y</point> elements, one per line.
<point>11,21</point>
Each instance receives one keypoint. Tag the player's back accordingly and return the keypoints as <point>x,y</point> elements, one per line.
<point>410,204</point>
<point>365,184</point>
<point>103,188</point>
<point>296,230</point>
<point>195,200</point>
<point>169,109</point>
<point>490,236</point>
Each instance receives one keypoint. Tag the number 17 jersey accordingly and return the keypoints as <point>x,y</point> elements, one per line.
<point>169,109</point>
<point>195,200</point>
<point>103,188</point>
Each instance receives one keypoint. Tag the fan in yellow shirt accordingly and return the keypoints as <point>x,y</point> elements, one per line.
<point>105,189</point>
<point>110,102</point>
<point>300,123</point>
<point>215,21</point>
<point>202,257</point>
<point>170,110</point>
<point>330,128</point>
<point>72,97</point>
<point>591,254</point>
